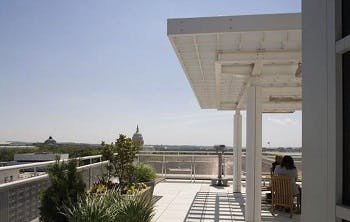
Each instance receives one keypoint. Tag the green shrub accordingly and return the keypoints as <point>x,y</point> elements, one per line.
<point>144,173</point>
<point>135,208</point>
<point>111,207</point>
<point>66,187</point>
<point>93,208</point>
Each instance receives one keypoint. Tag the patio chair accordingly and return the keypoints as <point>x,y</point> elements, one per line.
<point>282,193</point>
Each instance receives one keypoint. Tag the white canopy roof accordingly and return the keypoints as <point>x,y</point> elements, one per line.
<point>222,56</point>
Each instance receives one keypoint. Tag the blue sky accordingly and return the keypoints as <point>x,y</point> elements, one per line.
<point>85,71</point>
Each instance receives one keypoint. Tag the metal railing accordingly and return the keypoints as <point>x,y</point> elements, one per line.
<point>186,164</point>
<point>201,164</point>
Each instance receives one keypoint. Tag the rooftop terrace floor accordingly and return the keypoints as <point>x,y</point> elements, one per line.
<point>181,200</point>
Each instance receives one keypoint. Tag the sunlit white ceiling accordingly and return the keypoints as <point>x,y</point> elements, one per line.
<point>222,56</point>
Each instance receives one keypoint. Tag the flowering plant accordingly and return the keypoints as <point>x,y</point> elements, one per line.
<point>101,185</point>
<point>133,188</point>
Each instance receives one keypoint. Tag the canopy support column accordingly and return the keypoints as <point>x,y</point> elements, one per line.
<point>253,154</point>
<point>237,151</point>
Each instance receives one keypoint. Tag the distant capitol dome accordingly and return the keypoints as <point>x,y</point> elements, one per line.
<point>50,141</point>
<point>137,137</point>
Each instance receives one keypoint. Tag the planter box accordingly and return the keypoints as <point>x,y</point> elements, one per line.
<point>150,185</point>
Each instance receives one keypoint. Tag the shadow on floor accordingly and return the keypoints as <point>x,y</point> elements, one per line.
<point>223,206</point>
<point>216,206</point>
<point>280,215</point>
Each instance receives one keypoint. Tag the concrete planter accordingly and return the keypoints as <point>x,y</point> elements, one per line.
<point>151,185</point>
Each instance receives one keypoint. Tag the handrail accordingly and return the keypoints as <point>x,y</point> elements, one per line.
<point>92,165</point>
<point>45,163</point>
<point>43,176</point>
<point>175,155</point>
<point>89,157</point>
<point>201,153</point>
<point>29,165</point>
<point>167,153</point>
<point>181,151</point>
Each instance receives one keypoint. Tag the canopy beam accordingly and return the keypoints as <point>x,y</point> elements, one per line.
<point>266,57</point>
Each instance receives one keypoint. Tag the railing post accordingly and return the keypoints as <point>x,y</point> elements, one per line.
<point>90,173</point>
<point>101,165</point>
<point>162,165</point>
<point>35,172</point>
<point>193,167</point>
<point>224,166</point>
<point>164,159</point>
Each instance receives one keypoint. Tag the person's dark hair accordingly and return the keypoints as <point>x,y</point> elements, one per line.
<point>288,163</point>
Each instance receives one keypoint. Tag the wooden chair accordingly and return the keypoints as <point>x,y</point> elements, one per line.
<point>282,193</point>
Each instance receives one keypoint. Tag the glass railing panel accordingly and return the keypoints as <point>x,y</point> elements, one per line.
<point>155,160</point>
<point>180,165</point>
<point>206,165</point>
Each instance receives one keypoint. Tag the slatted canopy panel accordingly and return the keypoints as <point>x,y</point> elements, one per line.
<point>222,56</point>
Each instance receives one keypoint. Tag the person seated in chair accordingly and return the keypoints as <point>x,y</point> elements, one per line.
<point>278,160</point>
<point>287,168</point>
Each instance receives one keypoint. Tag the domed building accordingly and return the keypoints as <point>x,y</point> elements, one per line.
<point>137,137</point>
<point>50,141</point>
